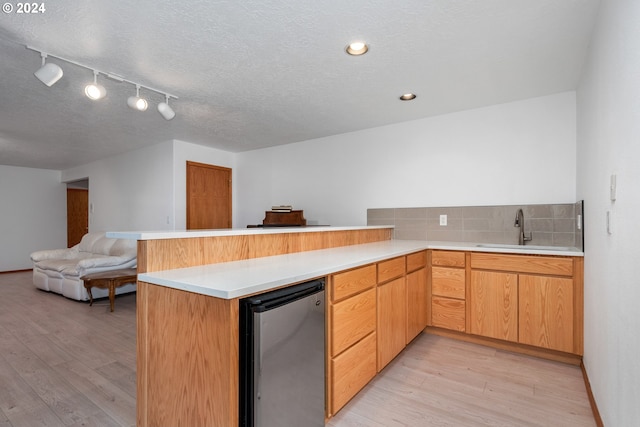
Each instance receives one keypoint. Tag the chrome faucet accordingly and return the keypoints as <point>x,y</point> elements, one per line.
<point>522,238</point>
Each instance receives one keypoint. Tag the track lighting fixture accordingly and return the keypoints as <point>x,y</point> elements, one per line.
<point>164,109</point>
<point>136,102</point>
<point>49,73</point>
<point>94,91</point>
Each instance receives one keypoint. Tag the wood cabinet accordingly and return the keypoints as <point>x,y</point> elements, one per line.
<point>351,339</point>
<point>392,321</point>
<point>546,312</point>
<point>351,371</point>
<point>448,290</point>
<point>374,311</point>
<point>494,305</point>
<point>417,312</point>
<point>528,299</point>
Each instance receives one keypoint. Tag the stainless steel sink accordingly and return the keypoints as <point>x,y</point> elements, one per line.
<point>530,247</point>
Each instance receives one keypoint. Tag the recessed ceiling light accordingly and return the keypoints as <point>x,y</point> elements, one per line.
<point>408,96</point>
<point>357,48</point>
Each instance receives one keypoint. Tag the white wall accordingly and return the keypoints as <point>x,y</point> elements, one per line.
<point>608,120</point>
<point>131,191</point>
<point>33,213</point>
<point>521,152</point>
<point>185,151</point>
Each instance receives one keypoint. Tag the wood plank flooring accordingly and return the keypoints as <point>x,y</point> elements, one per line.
<point>63,363</point>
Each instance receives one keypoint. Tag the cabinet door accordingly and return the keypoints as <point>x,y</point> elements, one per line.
<point>494,305</point>
<point>351,319</point>
<point>392,320</point>
<point>546,312</point>
<point>351,371</point>
<point>344,285</point>
<point>448,282</point>
<point>448,313</point>
<point>416,303</point>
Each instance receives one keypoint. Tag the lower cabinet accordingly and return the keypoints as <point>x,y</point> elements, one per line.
<point>373,312</point>
<point>352,370</point>
<point>448,290</point>
<point>546,312</point>
<point>392,321</point>
<point>494,305</point>
<point>416,302</point>
<point>351,339</point>
<point>532,300</point>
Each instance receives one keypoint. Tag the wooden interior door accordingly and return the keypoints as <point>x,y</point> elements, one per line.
<point>208,196</point>
<point>77,215</point>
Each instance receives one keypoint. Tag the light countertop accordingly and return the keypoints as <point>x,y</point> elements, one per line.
<point>181,234</point>
<point>237,279</point>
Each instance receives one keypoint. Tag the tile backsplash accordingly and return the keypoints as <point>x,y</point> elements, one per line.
<point>550,225</point>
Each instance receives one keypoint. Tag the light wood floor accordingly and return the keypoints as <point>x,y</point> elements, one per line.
<point>63,363</point>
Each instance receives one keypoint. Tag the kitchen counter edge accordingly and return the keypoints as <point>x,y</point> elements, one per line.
<point>186,234</point>
<point>238,279</point>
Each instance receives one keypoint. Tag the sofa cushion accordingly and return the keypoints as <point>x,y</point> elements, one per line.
<point>86,244</point>
<point>55,254</point>
<point>62,264</point>
<point>102,246</point>
<point>124,248</point>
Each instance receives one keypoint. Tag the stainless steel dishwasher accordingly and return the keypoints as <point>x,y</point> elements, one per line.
<point>282,357</point>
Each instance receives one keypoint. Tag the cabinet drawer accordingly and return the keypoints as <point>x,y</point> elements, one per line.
<point>351,282</point>
<point>523,263</point>
<point>351,371</point>
<point>391,269</point>
<point>448,282</point>
<point>416,261</point>
<point>448,313</point>
<point>448,258</point>
<point>352,319</point>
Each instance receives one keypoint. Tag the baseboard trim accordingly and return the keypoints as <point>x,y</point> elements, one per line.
<point>15,271</point>
<point>568,358</point>
<point>592,400</point>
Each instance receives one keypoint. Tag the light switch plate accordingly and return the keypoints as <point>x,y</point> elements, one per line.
<point>443,220</point>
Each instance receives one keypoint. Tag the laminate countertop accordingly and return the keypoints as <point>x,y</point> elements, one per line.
<point>186,234</point>
<point>238,279</point>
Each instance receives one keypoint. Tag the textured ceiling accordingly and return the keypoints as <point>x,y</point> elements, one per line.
<point>252,74</point>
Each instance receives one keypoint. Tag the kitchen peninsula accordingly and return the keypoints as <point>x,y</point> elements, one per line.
<point>189,284</point>
<point>187,343</point>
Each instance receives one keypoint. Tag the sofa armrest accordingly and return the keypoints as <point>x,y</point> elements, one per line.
<point>106,261</point>
<point>54,254</point>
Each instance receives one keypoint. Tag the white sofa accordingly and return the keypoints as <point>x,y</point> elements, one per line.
<point>59,270</point>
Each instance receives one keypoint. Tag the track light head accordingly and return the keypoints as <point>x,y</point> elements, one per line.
<point>94,91</point>
<point>136,102</point>
<point>49,73</point>
<point>165,110</point>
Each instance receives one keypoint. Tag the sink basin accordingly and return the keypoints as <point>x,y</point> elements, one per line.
<point>530,247</point>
